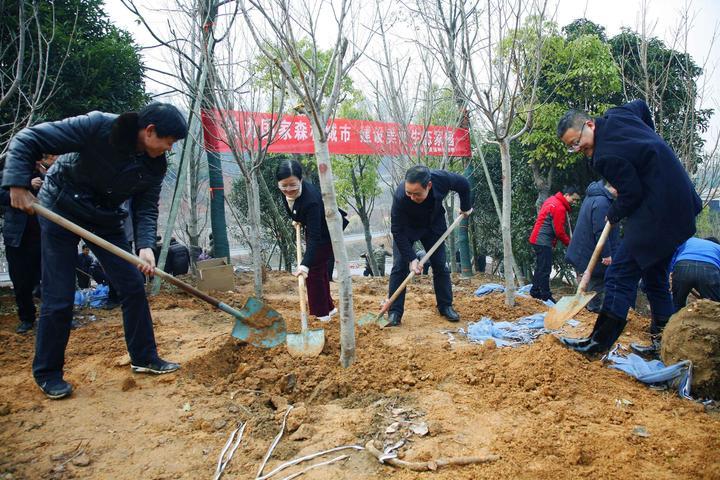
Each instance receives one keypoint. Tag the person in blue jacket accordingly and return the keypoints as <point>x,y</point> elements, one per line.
<point>695,266</point>
<point>417,213</point>
<point>114,158</point>
<point>655,197</point>
<point>21,234</point>
<point>590,223</point>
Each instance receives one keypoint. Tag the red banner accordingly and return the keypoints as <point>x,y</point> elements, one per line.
<point>293,134</point>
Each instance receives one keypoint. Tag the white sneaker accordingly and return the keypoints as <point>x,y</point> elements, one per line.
<point>334,311</point>
<point>325,318</point>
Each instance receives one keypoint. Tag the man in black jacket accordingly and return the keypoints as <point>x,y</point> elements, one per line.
<point>418,214</point>
<point>115,157</point>
<point>655,196</point>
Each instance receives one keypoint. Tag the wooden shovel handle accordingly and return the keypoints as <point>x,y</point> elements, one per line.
<point>127,256</point>
<point>301,279</point>
<point>595,257</point>
<point>424,259</point>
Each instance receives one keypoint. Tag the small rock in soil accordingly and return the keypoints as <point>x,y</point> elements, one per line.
<point>219,424</point>
<point>296,418</point>
<point>82,460</point>
<point>128,384</point>
<point>287,383</point>
<point>278,402</point>
<point>4,409</point>
<point>304,432</point>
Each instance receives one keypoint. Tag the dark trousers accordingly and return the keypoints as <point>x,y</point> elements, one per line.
<point>702,276</point>
<point>541,278</point>
<point>441,274</point>
<point>621,284</point>
<point>83,279</point>
<point>24,269</point>
<point>59,254</point>
<point>318,283</point>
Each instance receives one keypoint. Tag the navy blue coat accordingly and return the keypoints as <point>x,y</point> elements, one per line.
<point>103,171</point>
<point>589,227</point>
<point>655,193</point>
<point>409,224</point>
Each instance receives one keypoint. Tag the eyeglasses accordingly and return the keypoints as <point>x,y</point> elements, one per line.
<point>289,188</point>
<point>575,146</point>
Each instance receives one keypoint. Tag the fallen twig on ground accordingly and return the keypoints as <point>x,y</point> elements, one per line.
<point>229,450</point>
<point>305,458</point>
<point>275,442</point>
<point>315,465</point>
<point>431,465</point>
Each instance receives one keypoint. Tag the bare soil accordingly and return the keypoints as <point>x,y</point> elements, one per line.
<point>546,411</point>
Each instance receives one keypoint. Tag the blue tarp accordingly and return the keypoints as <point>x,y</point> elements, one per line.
<point>654,372</point>
<point>489,288</point>
<point>510,334</point>
<point>496,287</point>
<point>92,297</point>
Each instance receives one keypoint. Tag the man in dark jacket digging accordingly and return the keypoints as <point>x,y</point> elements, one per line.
<point>418,214</point>
<point>590,223</point>
<point>115,157</point>
<point>655,196</point>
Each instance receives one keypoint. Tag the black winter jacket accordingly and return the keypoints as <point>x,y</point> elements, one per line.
<point>655,193</point>
<point>89,186</point>
<point>410,223</point>
<point>309,210</point>
<point>589,227</point>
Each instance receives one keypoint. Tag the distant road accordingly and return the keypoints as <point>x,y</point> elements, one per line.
<point>355,237</point>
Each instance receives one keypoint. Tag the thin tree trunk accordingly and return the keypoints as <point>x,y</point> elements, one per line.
<point>368,243</point>
<point>253,196</point>
<point>505,225</point>
<point>285,232</point>
<point>491,187</point>
<point>334,221</point>
<point>450,212</point>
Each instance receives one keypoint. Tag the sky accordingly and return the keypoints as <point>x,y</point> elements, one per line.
<point>663,18</point>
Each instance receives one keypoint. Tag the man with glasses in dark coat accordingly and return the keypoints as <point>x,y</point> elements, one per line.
<point>655,197</point>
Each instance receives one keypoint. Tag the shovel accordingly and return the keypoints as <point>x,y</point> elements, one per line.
<point>307,343</point>
<point>380,318</point>
<point>568,307</point>
<point>255,324</point>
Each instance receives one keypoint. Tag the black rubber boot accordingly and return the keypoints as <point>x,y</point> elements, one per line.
<point>657,325</point>
<point>609,327</point>
<point>581,342</point>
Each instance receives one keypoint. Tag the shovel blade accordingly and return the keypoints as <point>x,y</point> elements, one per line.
<point>566,308</point>
<point>259,325</point>
<point>306,344</point>
<point>369,318</point>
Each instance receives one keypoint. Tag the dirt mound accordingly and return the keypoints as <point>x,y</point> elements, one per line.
<point>693,334</point>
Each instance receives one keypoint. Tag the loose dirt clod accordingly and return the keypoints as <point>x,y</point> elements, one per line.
<point>693,334</point>
<point>128,384</point>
